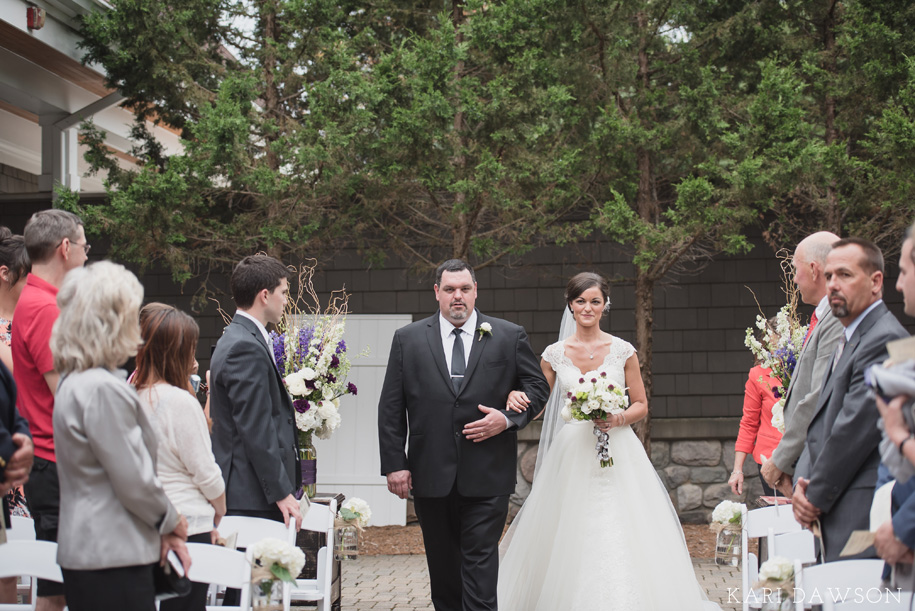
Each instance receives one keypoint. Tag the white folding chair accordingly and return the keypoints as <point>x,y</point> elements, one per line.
<point>32,558</point>
<point>250,531</point>
<point>22,529</point>
<point>828,584</point>
<point>797,545</point>
<point>763,522</point>
<point>320,518</point>
<point>217,565</point>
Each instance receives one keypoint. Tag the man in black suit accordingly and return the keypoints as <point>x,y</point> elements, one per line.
<point>837,471</point>
<point>254,438</point>
<point>443,374</point>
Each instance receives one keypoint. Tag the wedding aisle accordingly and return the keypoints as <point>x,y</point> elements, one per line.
<point>401,583</point>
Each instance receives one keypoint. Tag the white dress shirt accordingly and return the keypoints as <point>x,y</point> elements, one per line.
<point>467,332</point>
<point>850,329</point>
<point>260,327</point>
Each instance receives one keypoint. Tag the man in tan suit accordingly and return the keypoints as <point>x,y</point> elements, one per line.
<point>809,261</point>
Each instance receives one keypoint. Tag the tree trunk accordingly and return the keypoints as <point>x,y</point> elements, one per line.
<point>832,217</point>
<point>460,239</point>
<point>644,323</point>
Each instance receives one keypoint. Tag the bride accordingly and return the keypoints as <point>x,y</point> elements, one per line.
<point>592,537</point>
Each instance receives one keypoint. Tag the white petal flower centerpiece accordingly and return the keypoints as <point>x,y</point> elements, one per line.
<point>354,515</point>
<point>273,562</point>
<point>312,357</point>
<point>775,588</point>
<point>727,521</point>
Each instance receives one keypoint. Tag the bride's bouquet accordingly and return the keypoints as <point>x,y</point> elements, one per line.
<point>594,399</point>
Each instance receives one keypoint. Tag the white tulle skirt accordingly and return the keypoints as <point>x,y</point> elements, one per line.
<point>592,538</point>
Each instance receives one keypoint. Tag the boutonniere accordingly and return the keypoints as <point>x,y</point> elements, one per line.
<point>485,329</point>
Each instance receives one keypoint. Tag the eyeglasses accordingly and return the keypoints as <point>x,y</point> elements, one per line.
<point>86,247</point>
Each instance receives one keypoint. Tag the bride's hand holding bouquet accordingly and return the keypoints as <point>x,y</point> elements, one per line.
<point>602,402</point>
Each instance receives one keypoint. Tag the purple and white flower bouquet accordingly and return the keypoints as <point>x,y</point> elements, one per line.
<point>595,398</point>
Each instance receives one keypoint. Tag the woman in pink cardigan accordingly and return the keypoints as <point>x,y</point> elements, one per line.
<point>757,436</point>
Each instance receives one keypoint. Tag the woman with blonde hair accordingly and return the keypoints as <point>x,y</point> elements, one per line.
<point>116,521</point>
<point>186,465</point>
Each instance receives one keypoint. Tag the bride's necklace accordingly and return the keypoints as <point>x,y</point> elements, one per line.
<point>590,352</point>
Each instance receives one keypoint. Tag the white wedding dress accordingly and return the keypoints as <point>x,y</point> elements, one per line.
<point>592,538</point>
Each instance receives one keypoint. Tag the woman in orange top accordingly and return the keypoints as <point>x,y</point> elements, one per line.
<point>757,436</point>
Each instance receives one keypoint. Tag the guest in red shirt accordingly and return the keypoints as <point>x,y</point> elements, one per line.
<point>56,243</point>
<point>756,437</point>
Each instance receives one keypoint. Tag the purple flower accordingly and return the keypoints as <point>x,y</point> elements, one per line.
<point>581,380</point>
<point>279,352</point>
<point>331,378</point>
<point>351,388</point>
<point>341,347</point>
<point>301,405</point>
<point>334,362</point>
<point>603,374</point>
<point>305,336</point>
<point>594,380</point>
<point>777,392</point>
<point>610,387</point>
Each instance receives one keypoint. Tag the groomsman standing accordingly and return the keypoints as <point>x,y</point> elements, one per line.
<point>254,438</point>
<point>445,390</point>
<point>823,334</point>
<point>837,472</point>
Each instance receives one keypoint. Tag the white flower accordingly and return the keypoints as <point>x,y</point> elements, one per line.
<point>591,406</point>
<point>274,551</point>
<point>728,512</point>
<point>484,329</point>
<point>326,409</point>
<point>308,421</point>
<point>308,373</point>
<point>295,384</point>
<point>778,415</point>
<point>777,568</point>
<point>328,393</point>
<point>566,413</point>
<point>361,510</point>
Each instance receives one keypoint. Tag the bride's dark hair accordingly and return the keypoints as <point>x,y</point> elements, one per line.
<point>582,282</point>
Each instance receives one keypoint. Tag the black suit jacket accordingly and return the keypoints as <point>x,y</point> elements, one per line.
<point>254,438</point>
<point>10,424</point>
<point>841,457</point>
<point>418,404</point>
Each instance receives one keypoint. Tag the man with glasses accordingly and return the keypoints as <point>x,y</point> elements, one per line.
<point>56,243</point>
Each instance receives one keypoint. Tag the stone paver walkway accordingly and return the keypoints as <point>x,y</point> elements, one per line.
<point>401,583</point>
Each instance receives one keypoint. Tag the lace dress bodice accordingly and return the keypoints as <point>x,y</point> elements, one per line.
<point>568,374</point>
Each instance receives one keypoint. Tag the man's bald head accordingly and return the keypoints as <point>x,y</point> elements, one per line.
<point>809,261</point>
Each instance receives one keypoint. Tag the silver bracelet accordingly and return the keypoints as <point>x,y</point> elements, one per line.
<point>736,472</point>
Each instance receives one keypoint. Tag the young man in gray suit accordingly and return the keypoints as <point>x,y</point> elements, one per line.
<point>445,390</point>
<point>809,262</point>
<point>837,471</point>
<point>254,438</point>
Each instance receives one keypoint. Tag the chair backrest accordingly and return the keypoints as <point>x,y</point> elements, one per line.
<point>21,529</point>
<point>251,530</point>
<point>835,582</point>
<point>320,518</point>
<point>776,519</point>
<point>798,545</point>
<point>32,558</point>
<point>221,566</point>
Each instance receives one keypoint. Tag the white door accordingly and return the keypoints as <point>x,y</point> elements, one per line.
<point>349,462</point>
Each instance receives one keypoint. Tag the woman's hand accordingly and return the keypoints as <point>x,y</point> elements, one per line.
<point>736,482</point>
<point>517,401</point>
<point>214,537</point>
<point>172,542</point>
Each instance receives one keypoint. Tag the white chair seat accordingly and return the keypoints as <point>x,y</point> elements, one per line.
<point>32,558</point>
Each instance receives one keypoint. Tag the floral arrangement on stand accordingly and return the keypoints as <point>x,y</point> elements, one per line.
<point>312,357</point>
<point>779,347</point>
<point>775,588</point>
<point>727,520</point>
<point>595,399</point>
<point>353,516</point>
<point>273,562</point>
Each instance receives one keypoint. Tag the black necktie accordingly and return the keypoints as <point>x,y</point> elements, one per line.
<point>458,367</point>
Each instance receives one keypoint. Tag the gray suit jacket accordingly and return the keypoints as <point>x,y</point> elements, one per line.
<point>254,436</point>
<point>418,403</point>
<point>841,456</point>
<point>804,391</point>
<point>112,507</point>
